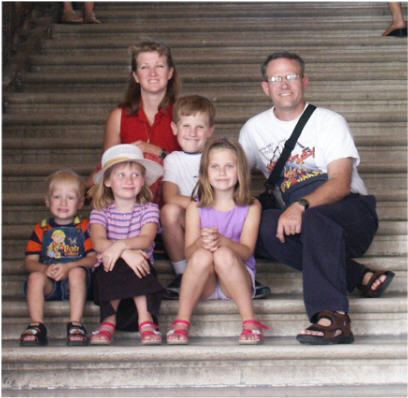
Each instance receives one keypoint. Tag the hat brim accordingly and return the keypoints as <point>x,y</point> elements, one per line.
<point>153,170</point>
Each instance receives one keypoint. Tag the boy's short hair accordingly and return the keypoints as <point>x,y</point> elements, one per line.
<point>65,175</point>
<point>191,104</point>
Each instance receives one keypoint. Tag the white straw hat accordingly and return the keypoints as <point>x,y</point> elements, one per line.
<point>128,153</point>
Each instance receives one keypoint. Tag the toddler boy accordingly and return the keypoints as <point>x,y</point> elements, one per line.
<point>59,257</point>
<point>193,124</point>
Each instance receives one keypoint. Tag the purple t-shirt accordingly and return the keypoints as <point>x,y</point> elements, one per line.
<point>229,224</point>
<point>122,225</point>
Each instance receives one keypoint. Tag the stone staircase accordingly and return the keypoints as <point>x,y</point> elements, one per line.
<point>55,118</point>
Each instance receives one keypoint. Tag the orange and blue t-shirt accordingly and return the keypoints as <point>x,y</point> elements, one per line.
<point>56,243</point>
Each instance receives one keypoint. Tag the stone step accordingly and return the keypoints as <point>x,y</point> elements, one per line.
<point>220,93</point>
<point>386,133</point>
<point>31,212</point>
<point>369,390</point>
<point>264,267</point>
<point>22,231</point>
<point>242,38</point>
<point>212,55</point>
<point>239,114</point>
<point>230,73</point>
<point>383,245</point>
<point>206,362</point>
<point>289,282</point>
<point>22,152</point>
<point>284,314</point>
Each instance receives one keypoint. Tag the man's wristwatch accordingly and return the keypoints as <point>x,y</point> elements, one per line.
<point>163,154</point>
<point>304,202</point>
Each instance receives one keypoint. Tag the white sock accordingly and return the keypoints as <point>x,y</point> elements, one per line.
<point>179,266</point>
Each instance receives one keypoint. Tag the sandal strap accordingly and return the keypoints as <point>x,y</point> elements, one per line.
<point>78,329</point>
<point>338,322</point>
<point>254,322</point>
<point>35,328</point>
<point>182,321</point>
<point>367,289</point>
<point>148,323</point>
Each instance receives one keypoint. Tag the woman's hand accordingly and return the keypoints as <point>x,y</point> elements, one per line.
<point>111,255</point>
<point>147,147</point>
<point>137,261</point>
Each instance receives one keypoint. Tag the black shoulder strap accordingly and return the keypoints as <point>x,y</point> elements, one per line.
<point>289,145</point>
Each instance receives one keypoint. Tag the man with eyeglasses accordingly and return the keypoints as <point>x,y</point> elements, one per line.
<point>327,218</point>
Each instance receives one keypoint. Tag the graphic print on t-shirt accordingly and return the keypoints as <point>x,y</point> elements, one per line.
<point>300,166</point>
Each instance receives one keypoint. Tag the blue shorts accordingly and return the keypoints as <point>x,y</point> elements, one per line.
<point>60,290</point>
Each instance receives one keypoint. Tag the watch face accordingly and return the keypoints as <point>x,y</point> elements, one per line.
<point>304,203</point>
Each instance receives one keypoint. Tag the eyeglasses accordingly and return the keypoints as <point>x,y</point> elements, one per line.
<point>289,78</point>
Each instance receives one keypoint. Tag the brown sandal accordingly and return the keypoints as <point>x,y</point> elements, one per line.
<point>339,322</point>
<point>368,291</point>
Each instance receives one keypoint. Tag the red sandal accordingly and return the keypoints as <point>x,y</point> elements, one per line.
<point>253,332</point>
<point>103,336</point>
<point>145,335</point>
<point>183,333</point>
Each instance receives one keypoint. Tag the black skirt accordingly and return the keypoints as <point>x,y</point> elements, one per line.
<point>123,284</point>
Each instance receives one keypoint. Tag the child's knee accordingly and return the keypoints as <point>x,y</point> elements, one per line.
<point>201,259</point>
<point>77,274</point>
<point>170,214</point>
<point>36,279</point>
<point>224,256</point>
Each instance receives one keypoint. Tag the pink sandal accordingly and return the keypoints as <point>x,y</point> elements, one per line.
<point>253,332</point>
<point>103,336</point>
<point>178,332</point>
<point>155,332</point>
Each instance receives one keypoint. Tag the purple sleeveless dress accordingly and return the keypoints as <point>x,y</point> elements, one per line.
<point>229,224</point>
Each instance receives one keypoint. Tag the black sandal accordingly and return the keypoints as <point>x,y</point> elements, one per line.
<point>368,291</point>
<point>76,329</point>
<point>339,322</point>
<point>36,329</point>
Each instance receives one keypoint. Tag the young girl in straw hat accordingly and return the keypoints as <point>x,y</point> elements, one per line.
<point>123,226</point>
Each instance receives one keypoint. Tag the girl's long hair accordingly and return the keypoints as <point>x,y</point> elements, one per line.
<point>102,196</point>
<point>133,94</point>
<point>204,190</point>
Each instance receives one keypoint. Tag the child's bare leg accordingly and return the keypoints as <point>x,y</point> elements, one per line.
<point>172,219</point>
<point>397,14</point>
<point>145,316</point>
<point>77,293</point>
<point>103,326</point>
<point>198,281</point>
<point>235,282</point>
<point>38,286</point>
<point>89,15</point>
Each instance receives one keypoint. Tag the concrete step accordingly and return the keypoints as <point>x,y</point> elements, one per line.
<point>220,93</point>
<point>22,152</point>
<point>265,267</point>
<point>389,133</point>
<point>32,212</point>
<point>225,114</point>
<point>361,71</point>
<point>371,391</point>
<point>383,245</point>
<point>284,314</point>
<point>206,362</point>
<point>214,55</point>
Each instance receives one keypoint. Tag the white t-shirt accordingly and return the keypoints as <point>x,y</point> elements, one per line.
<point>181,168</point>
<point>325,137</point>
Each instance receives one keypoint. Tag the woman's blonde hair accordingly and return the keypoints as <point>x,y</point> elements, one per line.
<point>205,192</point>
<point>102,196</point>
<point>133,94</point>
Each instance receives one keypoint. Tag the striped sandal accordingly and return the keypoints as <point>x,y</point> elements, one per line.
<point>178,336</point>
<point>146,335</point>
<point>104,334</point>
<point>253,332</point>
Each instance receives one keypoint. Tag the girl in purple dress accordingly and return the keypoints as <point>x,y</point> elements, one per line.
<point>221,232</point>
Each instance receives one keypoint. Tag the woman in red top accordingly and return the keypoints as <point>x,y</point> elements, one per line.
<point>144,117</point>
